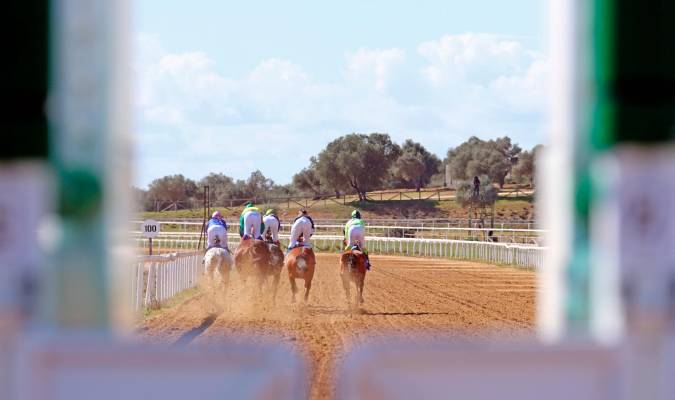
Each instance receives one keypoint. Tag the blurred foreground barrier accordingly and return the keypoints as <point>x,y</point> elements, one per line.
<point>158,278</point>
<point>82,367</point>
<point>498,253</point>
<point>489,370</point>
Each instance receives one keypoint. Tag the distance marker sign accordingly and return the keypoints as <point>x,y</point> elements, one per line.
<point>150,228</point>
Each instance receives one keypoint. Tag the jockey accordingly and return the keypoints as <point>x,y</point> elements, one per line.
<point>272,225</point>
<point>250,222</point>
<point>216,231</point>
<point>355,235</point>
<point>302,225</point>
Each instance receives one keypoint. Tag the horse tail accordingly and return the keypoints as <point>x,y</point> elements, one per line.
<point>301,262</point>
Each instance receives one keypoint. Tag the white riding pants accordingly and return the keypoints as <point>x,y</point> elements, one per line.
<point>216,232</point>
<point>356,234</point>
<point>252,221</point>
<point>302,226</point>
<point>272,226</point>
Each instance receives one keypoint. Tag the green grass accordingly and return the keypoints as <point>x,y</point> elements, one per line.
<point>516,208</point>
<point>176,300</point>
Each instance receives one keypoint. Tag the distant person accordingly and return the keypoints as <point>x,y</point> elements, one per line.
<point>272,225</point>
<point>250,222</point>
<point>303,226</point>
<point>355,234</point>
<point>216,231</point>
<point>492,238</point>
<point>476,186</point>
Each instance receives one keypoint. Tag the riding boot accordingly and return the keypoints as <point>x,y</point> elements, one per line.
<point>367,262</point>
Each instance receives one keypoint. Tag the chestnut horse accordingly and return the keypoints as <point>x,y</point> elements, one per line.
<point>300,263</point>
<point>252,260</point>
<point>353,268</point>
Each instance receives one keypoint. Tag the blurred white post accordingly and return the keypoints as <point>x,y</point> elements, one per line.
<point>89,114</point>
<point>556,175</point>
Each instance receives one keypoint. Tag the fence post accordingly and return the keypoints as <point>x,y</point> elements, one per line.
<point>140,273</point>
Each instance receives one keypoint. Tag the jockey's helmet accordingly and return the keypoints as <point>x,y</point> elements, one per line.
<point>270,211</point>
<point>248,204</point>
<point>303,211</point>
<point>216,215</point>
<point>356,214</point>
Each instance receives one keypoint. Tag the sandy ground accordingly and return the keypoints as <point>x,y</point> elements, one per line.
<point>403,297</point>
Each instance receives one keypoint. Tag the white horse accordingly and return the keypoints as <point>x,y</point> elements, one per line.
<point>220,259</point>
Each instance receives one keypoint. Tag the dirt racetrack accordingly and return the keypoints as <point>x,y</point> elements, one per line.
<point>404,296</point>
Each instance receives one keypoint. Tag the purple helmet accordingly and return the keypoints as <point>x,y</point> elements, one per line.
<point>216,215</point>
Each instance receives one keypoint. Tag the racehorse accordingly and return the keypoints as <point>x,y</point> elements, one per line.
<point>300,263</point>
<point>353,268</point>
<point>252,260</point>
<point>217,258</point>
<point>220,259</point>
<point>276,261</point>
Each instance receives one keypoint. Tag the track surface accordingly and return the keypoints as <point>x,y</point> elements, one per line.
<point>403,296</point>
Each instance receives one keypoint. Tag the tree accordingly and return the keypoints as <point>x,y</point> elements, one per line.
<point>525,169</point>
<point>356,161</point>
<point>479,207</point>
<point>220,186</point>
<point>415,165</point>
<point>257,185</point>
<point>172,189</point>
<point>308,179</point>
<point>478,157</point>
<point>141,199</point>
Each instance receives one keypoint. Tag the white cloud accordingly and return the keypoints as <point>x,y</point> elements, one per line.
<point>473,58</point>
<point>193,119</point>
<point>374,68</point>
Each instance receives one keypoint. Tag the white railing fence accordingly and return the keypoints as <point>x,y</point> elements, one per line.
<point>502,235</point>
<point>160,277</point>
<point>499,253</point>
<point>196,223</point>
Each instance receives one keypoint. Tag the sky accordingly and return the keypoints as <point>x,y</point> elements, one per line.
<point>234,86</point>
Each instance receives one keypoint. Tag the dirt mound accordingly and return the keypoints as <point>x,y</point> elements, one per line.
<point>403,297</point>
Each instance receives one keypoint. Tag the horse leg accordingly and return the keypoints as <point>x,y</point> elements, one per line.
<point>276,287</point>
<point>224,272</point>
<point>360,283</point>
<point>294,288</point>
<point>261,282</point>
<point>308,285</point>
<point>356,294</point>
<point>346,284</point>
<point>209,274</point>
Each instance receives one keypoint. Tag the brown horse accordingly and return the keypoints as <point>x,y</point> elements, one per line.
<point>300,263</point>
<point>353,268</point>
<point>252,261</point>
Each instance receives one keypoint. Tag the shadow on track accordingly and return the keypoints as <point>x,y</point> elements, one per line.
<point>190,335</point>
